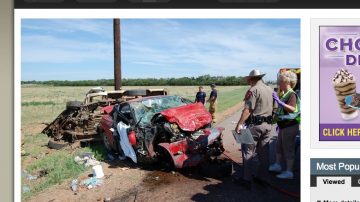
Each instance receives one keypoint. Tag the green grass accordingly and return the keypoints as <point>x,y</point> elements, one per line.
<point>227,99</point>
<point>98,150</point>
<point>37,103</point>
<point>60,167</point>
<point>37,139</point>
<point>35,144</point>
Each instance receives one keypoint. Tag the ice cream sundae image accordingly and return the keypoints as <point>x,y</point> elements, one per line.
<point>345,85</point>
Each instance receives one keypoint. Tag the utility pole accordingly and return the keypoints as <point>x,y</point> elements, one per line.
<point>117,54</point>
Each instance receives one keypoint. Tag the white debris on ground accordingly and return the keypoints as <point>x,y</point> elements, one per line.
<point>86,159</point>
<point>91,182</point>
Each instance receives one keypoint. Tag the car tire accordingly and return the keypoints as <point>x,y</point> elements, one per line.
<point>135,93</point>
<point>105,141</point>
<point>165,160</point>
<point>74,105</point>
<point>57,144</point>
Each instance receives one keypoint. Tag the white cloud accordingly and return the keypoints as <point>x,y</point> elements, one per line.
<point>232,50</point>
<point>50,49</point>
<point>98,27</point>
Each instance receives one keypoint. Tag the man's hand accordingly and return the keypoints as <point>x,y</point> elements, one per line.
<point>239,127</point>
<point>277,99</point>
<point>244,116</point>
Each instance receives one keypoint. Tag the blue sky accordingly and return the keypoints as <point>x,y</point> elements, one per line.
<point>82,49</point>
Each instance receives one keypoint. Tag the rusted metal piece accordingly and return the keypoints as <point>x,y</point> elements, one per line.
<point>75,124</point>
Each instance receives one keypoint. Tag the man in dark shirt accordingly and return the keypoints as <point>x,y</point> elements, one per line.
<point>213,100</point>
<point>201,95</point>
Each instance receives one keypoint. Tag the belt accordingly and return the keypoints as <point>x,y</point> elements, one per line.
<point>258,120</point>
<point>285,124</point>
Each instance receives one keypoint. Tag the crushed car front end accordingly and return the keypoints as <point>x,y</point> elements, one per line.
<point>166,126</point>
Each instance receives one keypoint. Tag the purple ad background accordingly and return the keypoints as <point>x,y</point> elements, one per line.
<point>329,65</point>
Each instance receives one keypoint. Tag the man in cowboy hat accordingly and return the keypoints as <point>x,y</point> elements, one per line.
<point>257,117</point>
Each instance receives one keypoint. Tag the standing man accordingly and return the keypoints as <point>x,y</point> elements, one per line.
<point>257,117</point>
<point>200,95</point>
<point>212,100</point>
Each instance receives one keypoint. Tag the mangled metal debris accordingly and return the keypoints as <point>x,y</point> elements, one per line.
<point>80,120</point>
<point>86,159</point>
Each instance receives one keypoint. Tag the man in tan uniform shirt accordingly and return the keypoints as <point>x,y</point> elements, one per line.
<point>257,116</point>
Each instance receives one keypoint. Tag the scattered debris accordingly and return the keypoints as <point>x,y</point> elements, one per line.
<point>74,186</point>
<point>31,177</point>
<point>91,182</point>
<point>107,199</point>
<point>28,176</point>
<point>43,173</point>
<point>157,178</point>
<point>86,159</point>
<point>98,171</point>
<point>110,157</point>
<point>108,176</point>
<point>125,168</point>
<point>121,158</point>
<point>24,153</point>
<point>25,189</point>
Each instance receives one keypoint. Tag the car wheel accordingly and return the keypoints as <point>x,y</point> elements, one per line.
<point>164,159</point>
<point>73,105</point>
<point>57,144</point>
<point>106,141</point>
<point>135,93</point>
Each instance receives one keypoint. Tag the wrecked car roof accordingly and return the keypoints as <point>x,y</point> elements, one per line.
<point>147,98</point>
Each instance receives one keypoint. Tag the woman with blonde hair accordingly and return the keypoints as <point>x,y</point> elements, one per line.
<point>287,118</point>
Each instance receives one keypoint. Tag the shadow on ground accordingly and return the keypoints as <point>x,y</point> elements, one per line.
<point>275,190</point>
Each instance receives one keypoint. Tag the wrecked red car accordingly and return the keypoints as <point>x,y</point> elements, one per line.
<point>165,128</point>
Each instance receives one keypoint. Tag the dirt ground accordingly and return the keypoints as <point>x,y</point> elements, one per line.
<point>125,181</point>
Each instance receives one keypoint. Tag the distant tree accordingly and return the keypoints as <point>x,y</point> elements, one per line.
<point>182,81</point>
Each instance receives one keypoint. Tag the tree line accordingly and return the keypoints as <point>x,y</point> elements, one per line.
<point>182,81</point>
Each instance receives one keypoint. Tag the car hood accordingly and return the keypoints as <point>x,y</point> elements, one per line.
<point>189,117</point>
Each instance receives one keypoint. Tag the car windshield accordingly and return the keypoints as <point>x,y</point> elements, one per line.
<point>144,110</point>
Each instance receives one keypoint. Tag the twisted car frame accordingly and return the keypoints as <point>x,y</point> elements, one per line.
<point>161,128</point>
<point>79,121</point>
